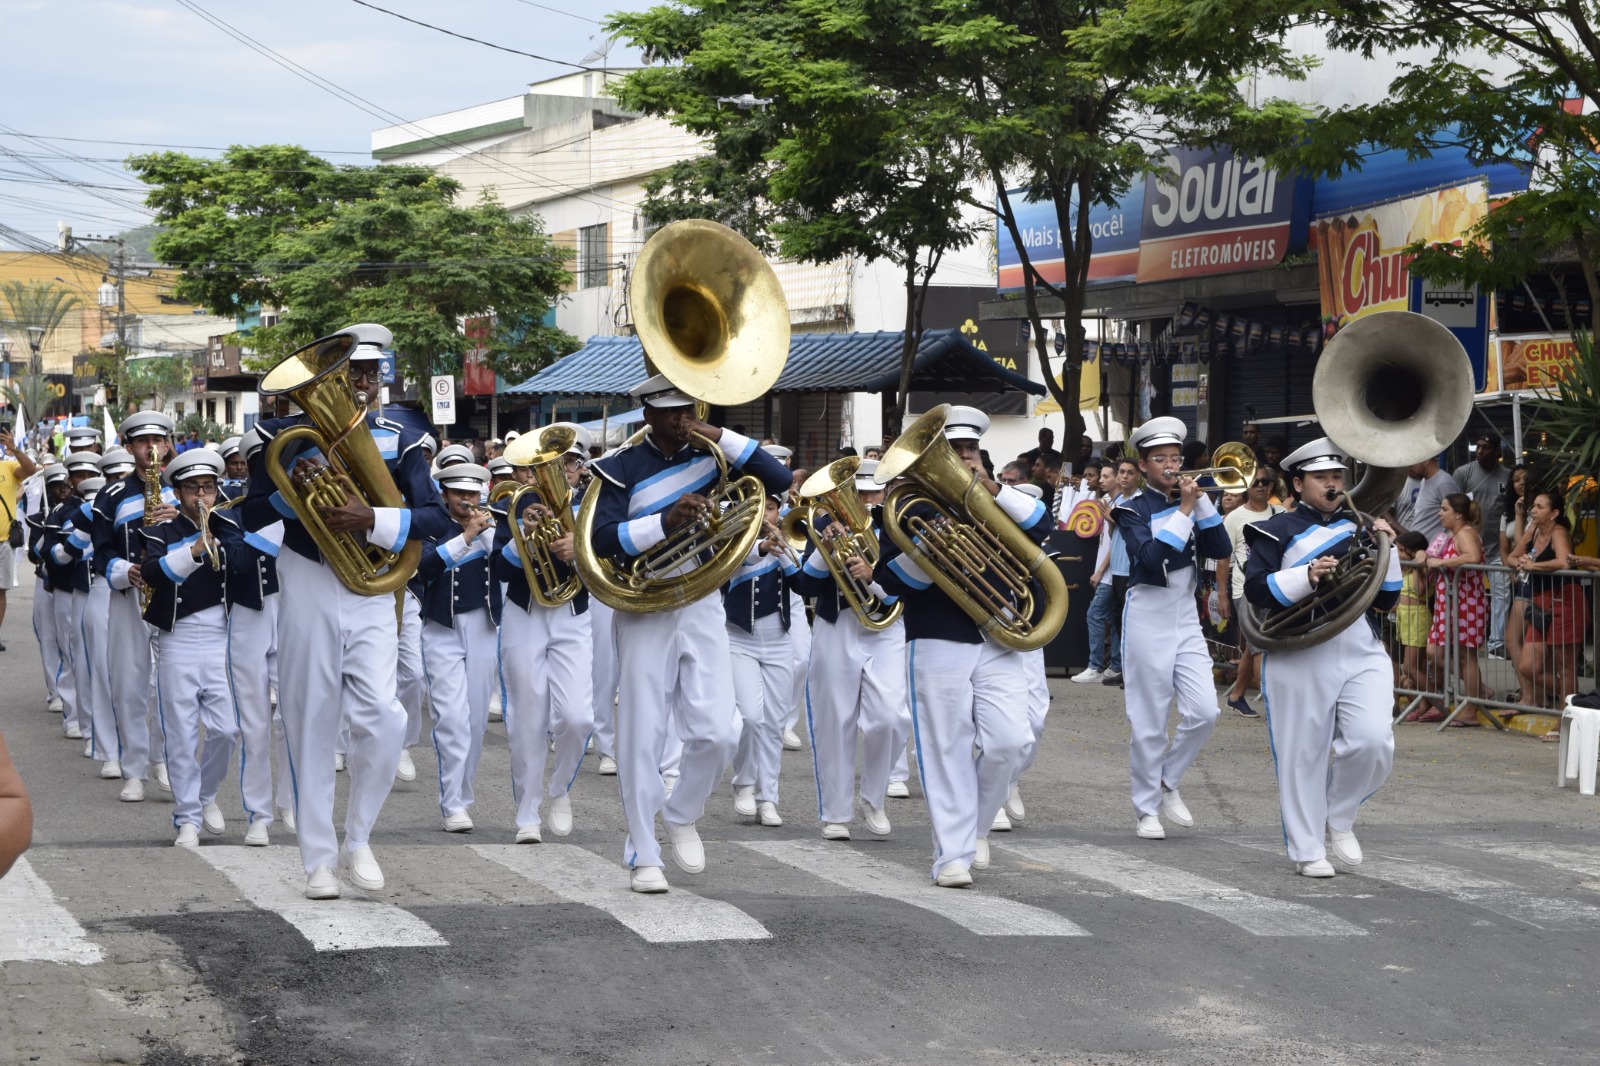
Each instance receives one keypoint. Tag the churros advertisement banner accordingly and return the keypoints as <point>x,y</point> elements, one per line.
<point>1533,361</point>
<point>1360,262</point>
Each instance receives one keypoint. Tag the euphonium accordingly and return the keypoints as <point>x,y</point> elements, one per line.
<point>542,454</point>
<point>152,501</point>
<point>832,491</point>
<point>971,549</point>
<point>314,378</point>
<point>713,320</point>
<point>1391,389</point>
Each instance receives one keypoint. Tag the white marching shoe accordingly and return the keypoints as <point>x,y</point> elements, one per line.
<point>648,879</point>
<point>1314,868</point>
<point>768,813</point>
<point>529,834</point>
<point>835,831</point>
<point>744,801</point>
<point>1346,848</point>
<point>898,790</point>
<point>406,770</point>
<point>980,858</point>
<point>791,740</point>
<point>322,884</point>
<point>286,816</point>
<point>1173,807</point>
<point>54,704</point>
<point>88,749</point>
<point>211,817</point>
<point>953,875</point>
<point>608,768</point>
<point>1001,823</point>
<point>458,821</point>
<point>362,866</point>
<point>877,820</point>
<point>1014,806</point>
<point>687,851</point>
<point>111,770</point>
<point>256,835</point>
<point>1150,828</point>
<point>188,837</point>
<point>561,815</point>
<point>74,733</point>
<point>159,772</point>
<point>132,792</point>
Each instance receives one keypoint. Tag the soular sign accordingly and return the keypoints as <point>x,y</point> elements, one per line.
<point>1216,213</point>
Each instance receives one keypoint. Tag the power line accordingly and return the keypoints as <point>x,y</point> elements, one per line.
<point>475,40</point>
<point>558,11</point>
<point>184,147</point>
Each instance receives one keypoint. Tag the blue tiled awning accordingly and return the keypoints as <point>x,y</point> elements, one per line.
<point>818,362</point>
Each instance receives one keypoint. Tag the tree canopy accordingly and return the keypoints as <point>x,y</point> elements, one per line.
<point>330,245</point>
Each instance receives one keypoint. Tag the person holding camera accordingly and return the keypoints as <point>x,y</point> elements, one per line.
<point>15,468</point>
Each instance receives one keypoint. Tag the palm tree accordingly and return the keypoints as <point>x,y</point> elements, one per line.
<point>36,307</point>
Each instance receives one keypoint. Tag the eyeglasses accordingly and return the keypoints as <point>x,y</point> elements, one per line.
<point>1263,484</point>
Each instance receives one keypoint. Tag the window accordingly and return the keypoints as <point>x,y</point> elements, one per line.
<point>269,318</point>
<point>211,410</point>
<point>594,252</point>
<point>227,407</point>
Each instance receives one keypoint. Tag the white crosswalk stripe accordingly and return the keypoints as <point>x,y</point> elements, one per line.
<point>34,927</point>
<point>580,876</point>
<point>1260,915</point>
<point>983,914</point>
<point>1579,859</point>
<point>274,880</point>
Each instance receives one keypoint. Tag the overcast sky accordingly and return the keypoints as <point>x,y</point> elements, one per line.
<point>157,71</point>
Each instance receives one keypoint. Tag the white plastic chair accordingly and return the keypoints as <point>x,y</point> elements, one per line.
<point>1580,747</point>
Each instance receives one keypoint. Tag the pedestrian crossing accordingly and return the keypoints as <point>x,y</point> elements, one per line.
<point>1035,888</point>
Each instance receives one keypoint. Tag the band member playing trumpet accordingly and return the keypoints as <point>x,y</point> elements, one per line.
<point>545,655</point>
<point>337,647</point>
<point>121,511</point>
<point>675,664</point>
<point>1167,527</point>
<point>1335,694</point>
<point>857,681</point>
<point>971,730</point>
<point>460,606</point>
<point>188,609</point>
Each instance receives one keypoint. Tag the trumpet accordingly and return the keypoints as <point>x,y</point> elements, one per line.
<point>785,547</point>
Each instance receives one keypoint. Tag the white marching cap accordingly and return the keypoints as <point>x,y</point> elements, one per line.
<point>965,423</point>
<point>1320,454</point>
<point>81,462</point>
<point>430,443</point>
<point>88,488</point>
<point>54,472</point>
<point>117,459</point>
<point>250,442</point>
<point>468,476</point>
<point>778,451</point>
<point>196,462</point>
<point>499,466</point>
<point>657,391</point>
<point>145,424</point>
<point>79,434</point>
<point>864,472</point>
<point>371,339</point>
<point>1157,432</point>
<point>451,455</point>
<point>229,447</point>
<point>512,435</point>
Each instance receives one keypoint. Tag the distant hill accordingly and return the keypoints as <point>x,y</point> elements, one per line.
<point>138,243</point>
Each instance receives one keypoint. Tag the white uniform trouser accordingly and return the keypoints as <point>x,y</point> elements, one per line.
<point>800,636</point>
<point>549,694</point>
<point>44,631</point>
<point>964,700</point>
<point>252,671</point>
<point>763,689</point>
<point>128,652</point>
<point>902,763</point>
<point>1038,702</point>
<point>1335,694</point>
<point>603,678</point>
<point>857,681</point>
<point>191,691</point>
<point>102,720</point>
<point>1164,657</point>
<point>460,665</point>
<point>336,658</point>
<point>73,684</point>
<point>675,667</point>
<point>410,683</point>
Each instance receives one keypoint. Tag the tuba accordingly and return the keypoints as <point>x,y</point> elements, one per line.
<point>542,454</point>
<point>1391,389</point>
<point>713,320</point>
<point>832,491</point>
<point>313,377</point>
<point>972,549</point>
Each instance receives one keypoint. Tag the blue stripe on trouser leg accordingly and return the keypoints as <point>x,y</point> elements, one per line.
<point>128,664</point>
<point>44,631</point>
<point>252,654</point>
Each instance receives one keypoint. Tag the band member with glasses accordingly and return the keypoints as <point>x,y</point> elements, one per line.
<point>1257,506</point>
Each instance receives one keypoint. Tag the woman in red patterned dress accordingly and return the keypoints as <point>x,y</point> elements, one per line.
<point>1459,546</point>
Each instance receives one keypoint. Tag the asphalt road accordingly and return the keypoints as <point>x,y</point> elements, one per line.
<point>1469,936</point>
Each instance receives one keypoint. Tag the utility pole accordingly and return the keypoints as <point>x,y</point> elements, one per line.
<point>110,293</point>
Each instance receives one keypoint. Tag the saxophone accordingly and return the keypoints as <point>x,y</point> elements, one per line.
<point>152,502</point>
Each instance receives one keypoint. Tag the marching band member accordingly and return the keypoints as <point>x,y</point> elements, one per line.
<point>799,628</point>
<point>119,542</point>
<point>1166,527</point>
<point>74,545</point>
<point>674,664</point>
<point>410,679</point>
<point>500,472</point>
<point>757,603</point>
<point>252,659</point>
<point>69,584</point>
<point>337,648</point>
<point>83,439</point>
<point>186,570</point>
<point>460,606</point>
<point>962,687</point>
<point>1336,694</point>
<point>235,469</point>
<point>857,682</point>
<point>114,465</point>
<point>1038,688</point>
<point>549,671</point>
<point>36,507</point>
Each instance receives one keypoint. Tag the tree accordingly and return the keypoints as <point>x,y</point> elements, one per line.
<point>882,107</point>
<point>38,305</point>
<point>333,245</point>
<point>155,378</point>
